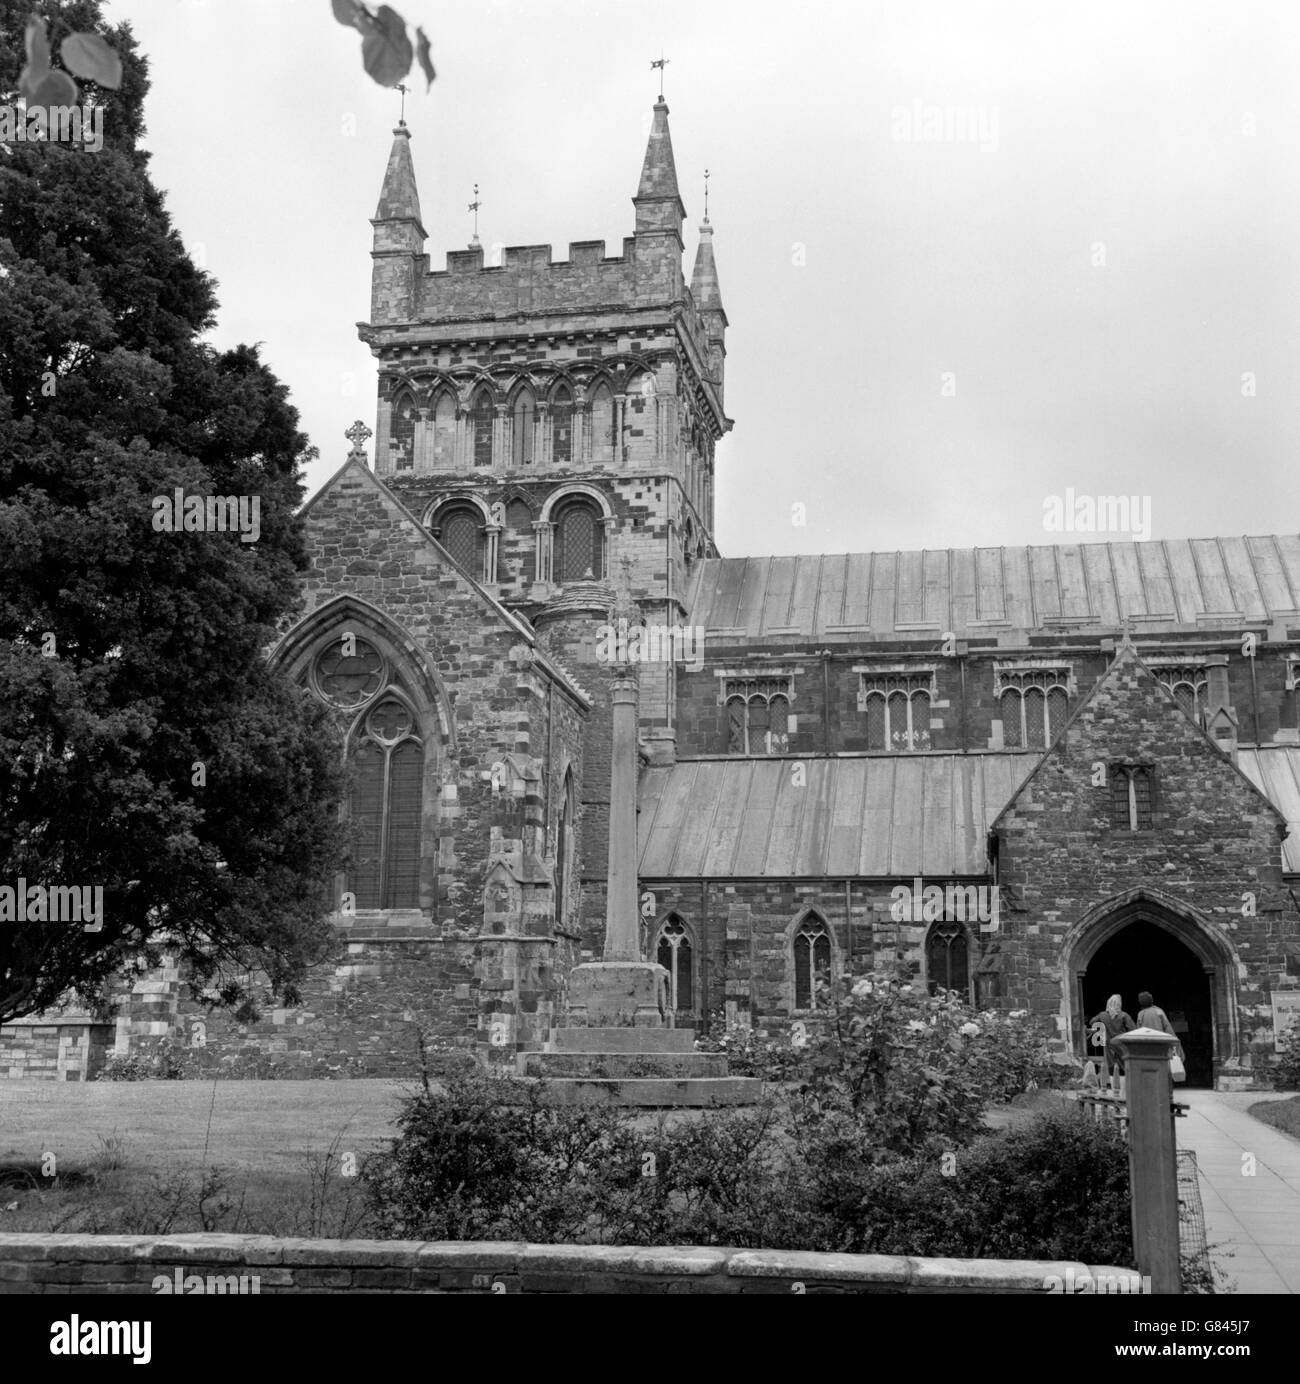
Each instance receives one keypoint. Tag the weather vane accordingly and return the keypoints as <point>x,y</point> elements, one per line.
<point>660,64</point>
<point>474,206</point>
<point>402,118</point>
<point>706,194</point>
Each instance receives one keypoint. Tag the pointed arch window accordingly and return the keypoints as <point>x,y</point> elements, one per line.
<point>579,542</point>
<point>444,432</point>
<point>1034,704</point>
<point>812,960</point>
<point>562,427</point>
<point>897,708</point>
<point>459,528</point>
<point>523,416</point>
<point>401,432</point>
<point>384,808</point>
<point>947,959</point>
<point>482,417</point>
<point>1187,686</point>
<point>602,426</point>
<point>758,714</point>
<point>1131,796</point>
<point>673,951</point>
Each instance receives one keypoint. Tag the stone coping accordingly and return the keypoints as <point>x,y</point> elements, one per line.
<point>130,1263</point>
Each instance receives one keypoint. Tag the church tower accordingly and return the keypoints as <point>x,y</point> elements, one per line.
<point>554,423</point>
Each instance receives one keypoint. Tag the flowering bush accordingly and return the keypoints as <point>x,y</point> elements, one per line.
<point>901,1072</point>
<point>1286,1072</point>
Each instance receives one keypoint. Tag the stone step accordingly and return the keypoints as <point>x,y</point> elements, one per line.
<point>653,1092</point>
<point>625,1064</point>
<point>624,1040</point>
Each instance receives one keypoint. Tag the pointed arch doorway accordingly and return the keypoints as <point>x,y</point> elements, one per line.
<point>1145,942</point>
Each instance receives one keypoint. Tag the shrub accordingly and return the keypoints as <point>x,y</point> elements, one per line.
<point>904,1072</point>
<point>1286,1070</point>
<point>1055,1188</point>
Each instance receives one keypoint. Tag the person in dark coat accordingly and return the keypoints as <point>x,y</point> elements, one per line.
<point>1150,1015</point>
<point>1115,1021</point>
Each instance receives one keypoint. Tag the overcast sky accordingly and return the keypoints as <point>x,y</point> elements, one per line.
<point>929,335</point>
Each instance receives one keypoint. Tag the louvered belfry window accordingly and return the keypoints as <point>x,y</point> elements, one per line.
<point>562,427</point>
<point>401,433</point>
<point>482,417</point>
<point>386,801</point>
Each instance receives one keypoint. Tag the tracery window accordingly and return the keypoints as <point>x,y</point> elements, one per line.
<point>579,542</point>
<point>758,715</point>
<point>1186,684</point>
<point>384,808</point>
<point>812,960</point>
<point>897,708</point>
<point>673,952</point>
<point>947,959</point>
<point>1131,796</point>
<point>384,801</point>
<point>1034,703</point>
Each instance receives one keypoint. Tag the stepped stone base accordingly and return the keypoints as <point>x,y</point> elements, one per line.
<point>604,1040</point>
<point>624,994</point>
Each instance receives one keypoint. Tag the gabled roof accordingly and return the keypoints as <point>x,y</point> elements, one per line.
<point>519,627</point>
<point>1125,655</point>
<point>868,816</point>
<point>982,592</point>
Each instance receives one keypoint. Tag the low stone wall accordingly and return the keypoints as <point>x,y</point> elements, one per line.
<point>58,1048</point>
<point>262,1264</point>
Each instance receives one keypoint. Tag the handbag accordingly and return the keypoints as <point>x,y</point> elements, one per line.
<point>1176,1068</point>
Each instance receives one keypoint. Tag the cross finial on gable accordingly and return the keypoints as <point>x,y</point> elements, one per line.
<point>357,435</point>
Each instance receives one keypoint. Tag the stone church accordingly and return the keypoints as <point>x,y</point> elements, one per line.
<point>1036,775</point>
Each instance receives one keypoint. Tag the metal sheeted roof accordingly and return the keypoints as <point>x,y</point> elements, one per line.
<point>864,816</point>
<point>977,591</point>
<point>868,816</point>
<point>1275,771</point>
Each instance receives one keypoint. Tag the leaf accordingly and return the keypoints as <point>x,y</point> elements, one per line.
<point>348,12</point>
<point>386,52</point>
<point>422,55</point>
<point>38,48</point>
<point>89,57</point>
<point>54,89</point>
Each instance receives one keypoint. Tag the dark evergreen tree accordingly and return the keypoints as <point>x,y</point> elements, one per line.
<point>146,746</point>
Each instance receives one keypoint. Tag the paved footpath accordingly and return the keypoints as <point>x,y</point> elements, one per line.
<point>1256,1217</point>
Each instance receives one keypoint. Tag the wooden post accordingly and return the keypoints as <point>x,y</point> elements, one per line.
<point>1153,1158</point>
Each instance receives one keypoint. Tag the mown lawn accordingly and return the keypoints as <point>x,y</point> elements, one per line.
<point>150,1156</point>
<point>1281,1114</point>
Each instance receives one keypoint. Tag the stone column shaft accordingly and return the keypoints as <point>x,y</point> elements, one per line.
<point>621,925</point>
